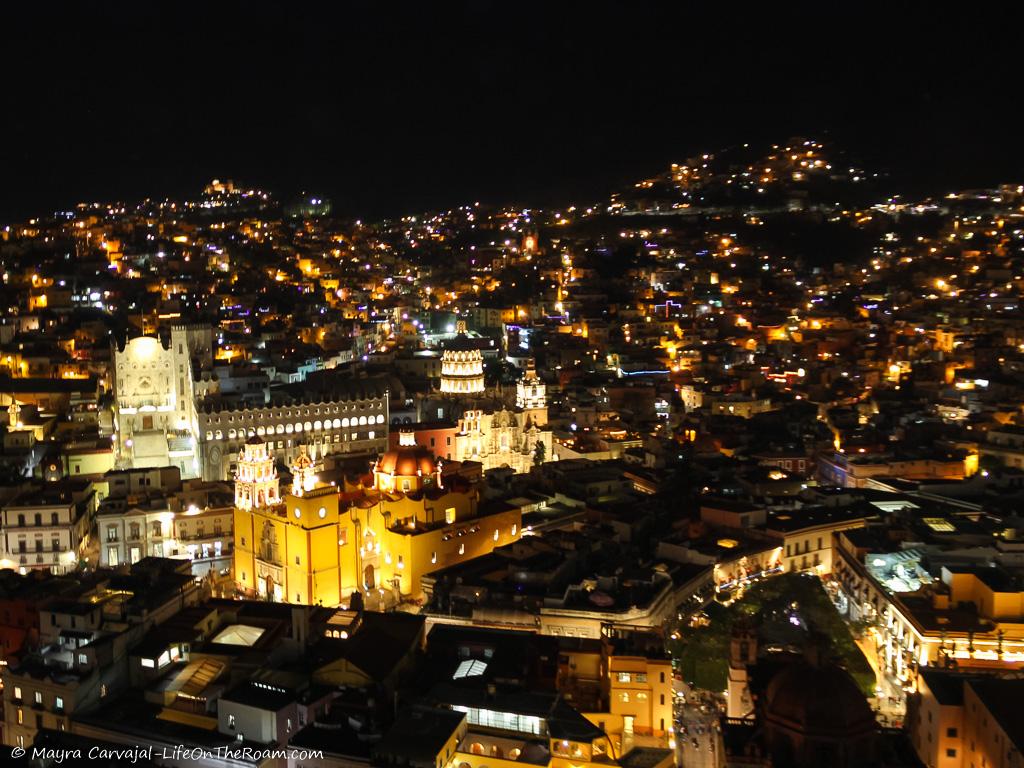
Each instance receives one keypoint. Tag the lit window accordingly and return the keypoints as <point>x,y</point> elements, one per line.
<point>322,512</point>
<point>298,513</point>
<point>470,668</point>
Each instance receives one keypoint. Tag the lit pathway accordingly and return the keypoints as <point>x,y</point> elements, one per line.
<point>888,713</point>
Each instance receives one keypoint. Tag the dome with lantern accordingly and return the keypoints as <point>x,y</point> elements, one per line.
<point>408,468</point>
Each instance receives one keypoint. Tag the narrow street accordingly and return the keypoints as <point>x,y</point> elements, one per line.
<point>890,703</point>
<point>698,741</point>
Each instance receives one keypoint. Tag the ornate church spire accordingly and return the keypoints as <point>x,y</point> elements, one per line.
<point>256,482</point>
<point>303,475</point>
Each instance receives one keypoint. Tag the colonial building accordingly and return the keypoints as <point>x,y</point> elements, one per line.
<point>158,423</point>
<point>127,536</point>
<point>347,419</point>
<point>154,407</point>
<point>502,439</point>
<point>202,536</point>
<point>488,432</point>
<point>377,535</point>
<point>640,692</point>
<point>46,528</point>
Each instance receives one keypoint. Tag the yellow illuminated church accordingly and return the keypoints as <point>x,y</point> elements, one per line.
<point>319,543</point>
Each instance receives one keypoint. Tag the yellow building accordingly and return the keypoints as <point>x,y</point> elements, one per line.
<point>640,691</point>
<point>319,544</point>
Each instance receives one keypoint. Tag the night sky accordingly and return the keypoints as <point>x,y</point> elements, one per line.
<point>393,108</point>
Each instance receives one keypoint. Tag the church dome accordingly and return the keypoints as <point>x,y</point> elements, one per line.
<point>462,365</point>
<point>818,701</point>
<point>406,467</point>
<point>404,461</point>
<point>460,343</point>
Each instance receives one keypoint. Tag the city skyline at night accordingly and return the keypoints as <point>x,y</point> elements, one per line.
<point>601,385</point>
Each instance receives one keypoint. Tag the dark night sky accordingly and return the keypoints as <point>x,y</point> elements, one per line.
<point>392,108</point>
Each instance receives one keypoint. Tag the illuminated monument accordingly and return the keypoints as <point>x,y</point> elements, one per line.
<point>377,535</point>
<point>154,406</point>
<point>462,365</point>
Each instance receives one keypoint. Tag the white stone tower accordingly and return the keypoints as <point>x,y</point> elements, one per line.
<point>531,396</point>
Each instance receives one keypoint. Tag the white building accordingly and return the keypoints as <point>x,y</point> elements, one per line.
<point>154,406</point>
<point>47,528</point>
<point>350,419</point>
<point>502,439</point>
<point>203,536</point>
<point>462,365</point>
<point>531,396</point>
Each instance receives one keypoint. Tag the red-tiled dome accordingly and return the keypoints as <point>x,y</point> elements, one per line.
<point>408,461</point>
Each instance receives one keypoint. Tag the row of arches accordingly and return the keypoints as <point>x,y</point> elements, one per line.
<point>476,748</point>
<point>297,427</point>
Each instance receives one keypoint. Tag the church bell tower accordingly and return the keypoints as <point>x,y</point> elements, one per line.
<point>256,483</point>
<point>531,396</point>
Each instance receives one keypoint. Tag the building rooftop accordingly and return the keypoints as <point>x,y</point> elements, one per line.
<point>419,734</point>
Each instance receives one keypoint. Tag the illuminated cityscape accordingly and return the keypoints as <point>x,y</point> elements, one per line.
<point>362,413</point>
